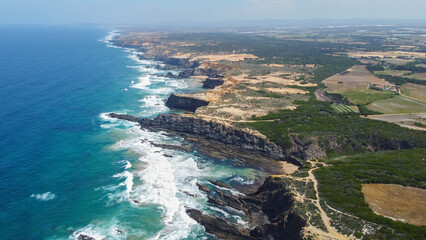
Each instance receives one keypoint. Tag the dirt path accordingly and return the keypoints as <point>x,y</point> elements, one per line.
<point>324,217</point>
<point>232,121</point>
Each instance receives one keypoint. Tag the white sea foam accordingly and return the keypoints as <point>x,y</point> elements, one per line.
<point>164,181</point>
<point>47,196</point>
<point>128,165</point>
<point>100,232</point>
<point>153,104</point>
<point>109,122</point>
<point>241,180</point>
<point>128,182</point>
<point>144,82</point>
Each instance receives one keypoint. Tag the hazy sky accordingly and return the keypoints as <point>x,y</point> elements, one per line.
<point>167,11</point>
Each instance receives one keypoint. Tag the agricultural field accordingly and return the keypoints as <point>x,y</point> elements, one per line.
<point>397,202</point>
<point>415,91</point>
<point>390,72</point>
<point>398,104</point>
<point>355,78</point>
<point>342,108</point>
<point>415,121</point>
<point>420,76</point>
<point>354,83</point>
<point>367,96</point>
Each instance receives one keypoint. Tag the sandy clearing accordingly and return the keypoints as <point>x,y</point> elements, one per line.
<point>273,78</point>
<point>397,202</point>
<point>286,90</point>
<point>224,57</point>
<point>388,54</point>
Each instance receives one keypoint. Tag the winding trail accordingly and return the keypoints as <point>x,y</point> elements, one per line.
<point>324,217</point>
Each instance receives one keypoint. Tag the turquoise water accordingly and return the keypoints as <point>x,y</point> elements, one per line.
<point>67,169</point>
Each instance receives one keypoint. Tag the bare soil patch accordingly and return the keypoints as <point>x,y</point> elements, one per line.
<point>388,54</point>
<point>225,57</point>
<point>355,78</point>
<point>397,202</point>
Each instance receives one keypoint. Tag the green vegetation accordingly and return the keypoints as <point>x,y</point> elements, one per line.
<point>274,50</point>
<point>367,96</point>
<point>340,186</point>
<point>341,108</point>
<point>270,95</point>
<point>401,80</point>
<point>418,124</point>
<point>315,119</point>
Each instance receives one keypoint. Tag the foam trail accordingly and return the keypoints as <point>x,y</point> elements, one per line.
<point>144,82</point>
<point>47,196</point>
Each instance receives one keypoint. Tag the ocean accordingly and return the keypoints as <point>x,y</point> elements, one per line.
<point>67,169</point>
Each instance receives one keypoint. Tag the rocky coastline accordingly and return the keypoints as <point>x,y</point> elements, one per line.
<point>268,206</point>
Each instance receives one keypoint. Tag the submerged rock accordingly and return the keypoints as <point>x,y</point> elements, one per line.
<point>170,75</point>
<point>84,237</point>
<point>203,187</point>
<point>220,184</point>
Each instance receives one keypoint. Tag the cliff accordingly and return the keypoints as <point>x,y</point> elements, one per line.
<point>211,83</point>
<point>209,130</point>
<point>185,102</point>
<point>270,211</point>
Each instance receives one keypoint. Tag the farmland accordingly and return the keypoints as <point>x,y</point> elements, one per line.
<point>355,78</point>
<point>342,108</point>
<point>415,91</point>
<point>412,120</point>
<point>398,104</point>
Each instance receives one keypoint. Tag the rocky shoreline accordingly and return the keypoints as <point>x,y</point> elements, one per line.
<point>217,140</point>
<point>269,205</point>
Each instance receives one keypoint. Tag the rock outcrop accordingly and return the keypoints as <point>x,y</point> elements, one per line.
<point>270,211</point>
<point>185,102</point>
<point>181,62</point>
<point>209,130</point>
<point>211,83</point>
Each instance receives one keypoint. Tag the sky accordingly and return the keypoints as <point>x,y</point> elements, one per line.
<point>151,12</point>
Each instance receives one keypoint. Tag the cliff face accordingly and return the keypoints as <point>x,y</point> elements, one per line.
<point>183,102</point>
<point>211,83</point>
<point>209,130</point>
<point>269,211</point>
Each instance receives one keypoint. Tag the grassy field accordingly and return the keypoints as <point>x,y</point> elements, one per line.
<point>420,76</point>
<point>340,186</point>
<point>366,96</point>
<point>342,108</point>
<point>398,104</point>
<point>416,91</point>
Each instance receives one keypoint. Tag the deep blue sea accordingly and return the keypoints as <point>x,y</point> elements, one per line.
<point>67,169</point>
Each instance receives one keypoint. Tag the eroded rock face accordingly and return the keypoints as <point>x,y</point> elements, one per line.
<point>209,130</point>
<point>211,83</point>
<point>185,102</point>
<point>219,227</point>
<point>269,211</point>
